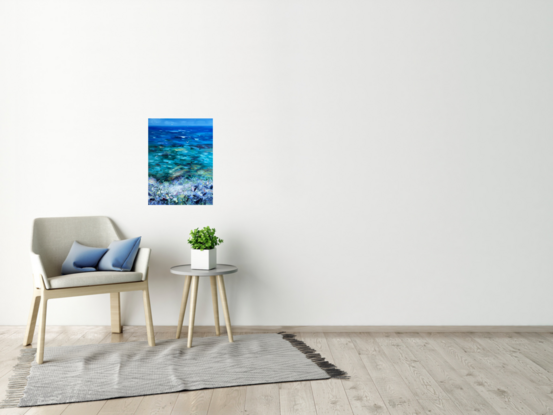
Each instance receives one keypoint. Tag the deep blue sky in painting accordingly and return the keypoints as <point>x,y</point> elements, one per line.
<point>180,122</point>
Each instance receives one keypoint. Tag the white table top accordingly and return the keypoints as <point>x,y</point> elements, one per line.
<point>221,269</point>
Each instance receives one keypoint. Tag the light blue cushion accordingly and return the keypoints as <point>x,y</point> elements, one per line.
<point>82,258</point>
<point>120,255</point>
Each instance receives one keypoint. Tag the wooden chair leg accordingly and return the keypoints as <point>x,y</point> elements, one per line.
<point>115,305</point>
<point>221,282</point>
<point>149,321</point>
<point>183,304</point>
<point>215,304</point>
<point>31,323</point>
<point>193,298</point>
<point>42,330</point>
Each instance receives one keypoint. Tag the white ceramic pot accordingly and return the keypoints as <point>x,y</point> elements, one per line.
<point>206,259</point>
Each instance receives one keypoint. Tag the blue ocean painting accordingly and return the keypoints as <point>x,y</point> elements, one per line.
<point>180,161</point>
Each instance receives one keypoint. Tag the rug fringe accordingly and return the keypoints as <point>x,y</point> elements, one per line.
<point>18,381</point>
<point>315,357</point>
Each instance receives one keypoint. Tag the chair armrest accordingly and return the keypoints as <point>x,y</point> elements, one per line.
<point>39,274</point>
<point>142,261</point>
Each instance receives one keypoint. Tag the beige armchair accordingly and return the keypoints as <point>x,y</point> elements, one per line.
<point>51,242</point>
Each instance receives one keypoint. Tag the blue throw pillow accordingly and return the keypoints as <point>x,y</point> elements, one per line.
<point>82,258</point>
<point>120,255</point>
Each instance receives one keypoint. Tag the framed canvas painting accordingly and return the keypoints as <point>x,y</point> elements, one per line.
<point>180,161</point>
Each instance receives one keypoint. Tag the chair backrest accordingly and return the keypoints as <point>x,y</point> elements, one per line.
<point>53,237</point>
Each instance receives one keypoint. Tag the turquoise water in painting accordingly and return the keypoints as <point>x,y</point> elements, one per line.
<point>180,163</point>
<point>180,152</point>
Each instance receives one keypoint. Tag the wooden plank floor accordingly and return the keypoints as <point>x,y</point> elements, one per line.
<point>391,373</point>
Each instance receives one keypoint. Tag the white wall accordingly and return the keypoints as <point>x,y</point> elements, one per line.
<point>376,162</point>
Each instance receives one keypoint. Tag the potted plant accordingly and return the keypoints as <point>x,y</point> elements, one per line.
<point>203,242</point>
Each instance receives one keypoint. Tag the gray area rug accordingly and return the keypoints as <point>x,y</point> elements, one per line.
<point>106,371</point>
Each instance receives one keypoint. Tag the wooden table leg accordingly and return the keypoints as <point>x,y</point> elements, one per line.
<point>215,304</point>
<point>193,298</point>
<point>221,282</point>
<point>183,304</point>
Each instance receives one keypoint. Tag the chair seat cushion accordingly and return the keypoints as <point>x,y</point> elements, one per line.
<point>93,278</point>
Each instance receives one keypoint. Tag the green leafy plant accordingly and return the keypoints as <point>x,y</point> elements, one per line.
<point>204,238</point>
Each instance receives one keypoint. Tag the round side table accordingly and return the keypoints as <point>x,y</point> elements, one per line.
<point>193,277</point>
